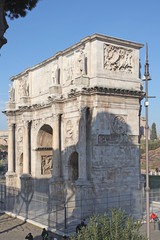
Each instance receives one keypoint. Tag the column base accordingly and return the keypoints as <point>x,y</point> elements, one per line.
<point>55,179</point>
<point>25,176</point>
<point>11,178</point>
<point>56,188</point>
<point>27,184</point>
<point>82,182</point>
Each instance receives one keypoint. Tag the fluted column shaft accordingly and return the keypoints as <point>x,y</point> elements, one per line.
<point>82,146</point>
<point>25,148</point>
<point>56,150</point>
<point>10,148</point>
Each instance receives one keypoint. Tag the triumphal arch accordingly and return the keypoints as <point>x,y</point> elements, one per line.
<point>73,123</point>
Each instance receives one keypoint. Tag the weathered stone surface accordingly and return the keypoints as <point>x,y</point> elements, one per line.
<point>79,109</point>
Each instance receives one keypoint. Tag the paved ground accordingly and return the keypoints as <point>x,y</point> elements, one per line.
<point>154,234</point>
<point>15,229</point>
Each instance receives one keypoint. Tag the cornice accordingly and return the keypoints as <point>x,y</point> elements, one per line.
<point>107,91</point>
<point>74,94</point>
<point>116,41</point>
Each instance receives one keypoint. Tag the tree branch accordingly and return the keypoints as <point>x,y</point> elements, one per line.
<point>3,24</point>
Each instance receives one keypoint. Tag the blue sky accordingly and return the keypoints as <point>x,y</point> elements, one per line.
<point>56,25</point>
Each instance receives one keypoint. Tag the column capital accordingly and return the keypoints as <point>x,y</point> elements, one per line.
<point>25,123</point>
<point>56,116</point>
<point>10,125</point>
<point>83,110</point>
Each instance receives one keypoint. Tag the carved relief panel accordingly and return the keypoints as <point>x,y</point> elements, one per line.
<point>118,59</point>
<point>71,132</point>
<point>20,135</point>
<point>69,68</point>
<point>23,89</point>
<point>46,165</point>
<point>119,125</point>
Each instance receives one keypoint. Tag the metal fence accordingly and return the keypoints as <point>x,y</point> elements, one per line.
<point>64,216</point>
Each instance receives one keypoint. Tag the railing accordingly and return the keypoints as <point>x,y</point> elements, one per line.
<point>64,216</point>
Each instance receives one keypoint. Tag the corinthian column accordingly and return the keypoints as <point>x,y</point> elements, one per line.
<point>25,148</point>
<point>82,147</point>
<point>10,149</point>
<point>56,150</point>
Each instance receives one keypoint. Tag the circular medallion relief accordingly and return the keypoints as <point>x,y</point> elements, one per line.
<point>119,125</point>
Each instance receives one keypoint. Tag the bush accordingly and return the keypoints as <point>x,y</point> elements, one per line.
<point>152,145</point>
<point>116,227</point>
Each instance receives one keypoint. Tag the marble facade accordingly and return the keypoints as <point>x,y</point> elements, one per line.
<point>73,121</point>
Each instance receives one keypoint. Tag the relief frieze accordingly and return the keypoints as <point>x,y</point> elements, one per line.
<point>117,59</point>
<point>46,165</point>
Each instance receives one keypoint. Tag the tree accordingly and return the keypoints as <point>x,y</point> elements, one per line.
<point>13,9</point>
<point>153,132</point>
<point>114,226</point>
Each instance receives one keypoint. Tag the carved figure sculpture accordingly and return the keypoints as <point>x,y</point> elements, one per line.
<point>80,69</point>
<point>11,93</point>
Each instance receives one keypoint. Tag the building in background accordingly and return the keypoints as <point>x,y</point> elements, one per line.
<point>3,137</point>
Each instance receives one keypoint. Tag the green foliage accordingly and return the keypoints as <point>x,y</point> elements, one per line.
<point>151,145</point>
<point>153,132</point>
<point>114,227</point>
<point>18,8</point>
<point>4,147</point>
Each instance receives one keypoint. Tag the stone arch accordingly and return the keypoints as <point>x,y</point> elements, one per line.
<point>73,167</point>
<point>45,150</point>
<point>44,137</point>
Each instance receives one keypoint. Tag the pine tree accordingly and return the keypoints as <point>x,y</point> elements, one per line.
<point>13,9</point>
<point>153,132</point>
